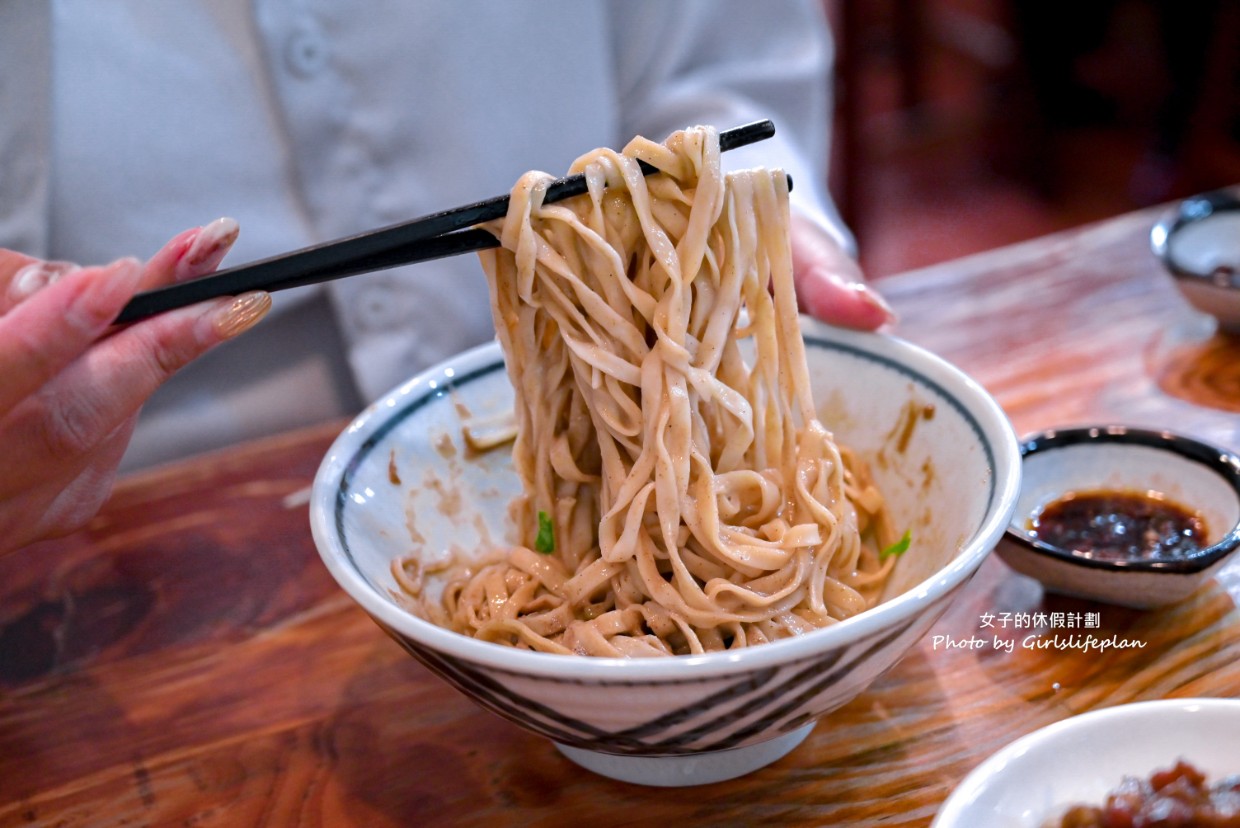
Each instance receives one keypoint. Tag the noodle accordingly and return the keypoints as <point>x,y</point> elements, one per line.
<point>694,500</point>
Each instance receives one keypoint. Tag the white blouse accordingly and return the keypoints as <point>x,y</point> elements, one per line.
<point>127,121</point>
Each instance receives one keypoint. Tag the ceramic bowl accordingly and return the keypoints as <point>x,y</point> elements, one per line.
<point>1196,475</point>
<point>1199,244</point>
<point>1031,782</point>
<point>944,455</point>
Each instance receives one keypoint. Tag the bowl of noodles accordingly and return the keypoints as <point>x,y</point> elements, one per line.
<point>663,521</point>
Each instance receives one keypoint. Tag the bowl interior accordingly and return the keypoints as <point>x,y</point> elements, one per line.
<point>915,421</point>
<point>1051,473</point>
<point>400,479</point>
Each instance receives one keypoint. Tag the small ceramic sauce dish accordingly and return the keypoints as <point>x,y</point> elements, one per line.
<point>1199,244</point>
<point>1126,516</point>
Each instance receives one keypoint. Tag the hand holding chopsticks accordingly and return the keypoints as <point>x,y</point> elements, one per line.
<point>430,237</point>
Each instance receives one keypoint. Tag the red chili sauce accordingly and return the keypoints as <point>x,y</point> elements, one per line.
<point>1176,796</point>
<point>1120,525</point>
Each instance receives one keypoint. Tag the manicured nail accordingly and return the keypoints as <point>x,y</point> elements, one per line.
<point>875,300</point>
<point>238,315</point>
<point>208,249</point>
<point>35,276</point>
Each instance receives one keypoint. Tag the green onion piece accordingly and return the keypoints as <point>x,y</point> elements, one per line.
<point>899,547</point>
<point>545,542</point>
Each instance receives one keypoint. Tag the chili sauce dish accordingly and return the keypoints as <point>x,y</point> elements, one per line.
<point>1133,517</point>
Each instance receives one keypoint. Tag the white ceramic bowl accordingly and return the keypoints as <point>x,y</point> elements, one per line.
<point>1198,476</point>
<point>1079,760</point>
<point>944,455</point>
<point>1199,244</point>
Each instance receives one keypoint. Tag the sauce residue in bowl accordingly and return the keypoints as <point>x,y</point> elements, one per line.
<point>1178,795</point>
<point>1118,525</point>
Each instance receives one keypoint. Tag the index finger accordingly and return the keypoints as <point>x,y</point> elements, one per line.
<point>191,253</point>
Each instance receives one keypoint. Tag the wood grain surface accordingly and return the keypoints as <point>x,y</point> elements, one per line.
<point>186,660</point>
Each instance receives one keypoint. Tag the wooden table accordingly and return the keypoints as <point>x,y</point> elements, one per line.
<point>186,660</point>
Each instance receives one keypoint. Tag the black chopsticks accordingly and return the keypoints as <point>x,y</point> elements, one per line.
<point>429,237</point>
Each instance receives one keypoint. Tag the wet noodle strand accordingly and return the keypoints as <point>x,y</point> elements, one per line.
<point>666,436</point>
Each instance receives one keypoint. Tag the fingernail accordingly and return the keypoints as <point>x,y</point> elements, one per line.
<point>876,301</point>
<point>238,315</point>
<point>35,276</point>
<point>209,248</point>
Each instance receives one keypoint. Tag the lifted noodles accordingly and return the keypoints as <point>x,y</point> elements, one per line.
<point>693,498</point>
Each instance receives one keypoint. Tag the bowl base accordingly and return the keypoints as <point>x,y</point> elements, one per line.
<point>682,771</point>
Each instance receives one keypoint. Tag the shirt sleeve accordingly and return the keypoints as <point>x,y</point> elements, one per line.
<point>729,62</point>
<point>25,87</point>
